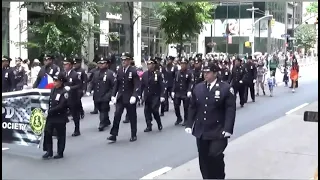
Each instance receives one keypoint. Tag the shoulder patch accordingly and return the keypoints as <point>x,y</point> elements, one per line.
<point>66,95</point>
<point>231,90</point>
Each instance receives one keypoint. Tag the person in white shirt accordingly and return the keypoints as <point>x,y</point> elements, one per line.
<point>35,70</point>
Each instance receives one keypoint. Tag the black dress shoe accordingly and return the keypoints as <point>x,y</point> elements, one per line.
<point>162,114</point>
<point>241,105</point>
<point>58,156</point>
<point>94,112</point>
<point>160,127</point>
<point>133,138</point>
<point>126,121</point>
<point>148,129</point>
<point>183,124</point>
<point>177,122</point>
<point>253,100</point>
<point>112,138</point>
<point>77,133</point>
<point>47,155</point>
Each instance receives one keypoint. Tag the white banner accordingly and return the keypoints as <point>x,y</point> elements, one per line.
<point>104,28</point>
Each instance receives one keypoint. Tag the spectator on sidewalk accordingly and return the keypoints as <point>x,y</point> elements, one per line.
<point>35,68</point>
<point>294,74</point>
<point>294,59</point>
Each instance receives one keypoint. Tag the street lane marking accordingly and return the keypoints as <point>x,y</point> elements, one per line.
<point>157,173</point>
<point>3,149</point>
<point>296,108</point>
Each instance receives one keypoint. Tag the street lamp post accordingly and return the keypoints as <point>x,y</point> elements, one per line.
<point>253,27</point>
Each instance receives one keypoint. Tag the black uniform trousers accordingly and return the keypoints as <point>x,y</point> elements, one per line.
<point>151,107</point>
<point>75,113</point>
<point>249,86</point>
<point>103,108</point>
<point>165,104</point>
<point>132,113</point>
<point>240,89</point>
<point>211,158</point>
<point>177,102</point>
<point>60,129</point>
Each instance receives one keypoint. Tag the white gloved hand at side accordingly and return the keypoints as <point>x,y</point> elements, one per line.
<point>25,87</point>
<point>162,99</point>
<point>226,134</point>
<point>172,94</point>
<point>240,82</point>
<point>188,130</point>
<point>132,100</point>
<point>113,99</point>
<point>45,114</point>
<point>254,81</point>
<point>67,88</point>
<point>189,94</point>
<point>111,103</point>
<point>88,94</point>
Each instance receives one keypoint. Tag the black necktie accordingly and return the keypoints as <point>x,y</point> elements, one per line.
<point>208,86</point>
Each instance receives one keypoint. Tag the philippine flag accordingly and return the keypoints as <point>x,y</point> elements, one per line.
<point>46,82</point>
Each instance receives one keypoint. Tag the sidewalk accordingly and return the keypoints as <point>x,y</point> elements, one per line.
<point>286,148</point>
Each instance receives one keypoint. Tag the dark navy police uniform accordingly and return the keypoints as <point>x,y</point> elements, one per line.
<point>212,112</point>
<point>57,118</point>
<point>8,78</point>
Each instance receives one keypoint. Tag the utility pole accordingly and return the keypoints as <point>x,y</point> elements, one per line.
<point>293,22</point>
<point>253,28</point>
<point>286,28</point>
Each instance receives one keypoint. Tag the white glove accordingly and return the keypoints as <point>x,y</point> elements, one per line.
<point>25,86</point>
<point>240,82</point>
<point>67,88</point>
<point>226,134</point>
<point>45,114</point>
<point>254,81</point>
<point>88,94</point>
<point>139,97</point>
<point>188,130</point>
<point>162,99</point>
<point>113,99</point>
<point>132,100</point>
<point>189,94</point>
<point>111,103</point>
<point>172,94</point>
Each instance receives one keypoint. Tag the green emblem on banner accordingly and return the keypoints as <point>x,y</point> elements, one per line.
<point>37,121</point>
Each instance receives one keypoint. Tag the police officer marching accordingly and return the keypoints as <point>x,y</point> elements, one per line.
<point>57,118</point>
<point>160,68</point>
<point>90,78</point>
<point>83,76</point>
<point>225,73</point>
<point>181,90</point>
<point>102,84</point>
<point>21,77</point>
<point>124,96</point>
<point>48,68</point>
<point>8,78</point>
<point>250,78</point>
<point>212,114</point>
<point>153,89</point>
<point>170,71</point>
<point>237,80</point>
<point>73,86</point>
<point>197,71</point>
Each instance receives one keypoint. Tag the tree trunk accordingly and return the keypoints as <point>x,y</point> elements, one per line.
<point>131,7</point>
<point>180,49</point>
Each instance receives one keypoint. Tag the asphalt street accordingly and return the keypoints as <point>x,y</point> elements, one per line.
<point>89,156</point>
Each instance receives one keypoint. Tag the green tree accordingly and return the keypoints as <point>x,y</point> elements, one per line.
<point>306,36</point>
<point>312,8</point>
<point>183,21</point>
<point>61,30</point>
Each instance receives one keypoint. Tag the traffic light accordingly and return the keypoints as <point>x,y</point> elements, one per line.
<point>247,44</point>
<point>272,22</point>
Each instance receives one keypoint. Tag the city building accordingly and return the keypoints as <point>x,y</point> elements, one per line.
<point>234,19</point>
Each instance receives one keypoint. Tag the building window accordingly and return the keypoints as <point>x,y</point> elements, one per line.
<point>5,31</point>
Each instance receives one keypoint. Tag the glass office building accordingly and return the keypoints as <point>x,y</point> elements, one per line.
<point>232,27</point>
